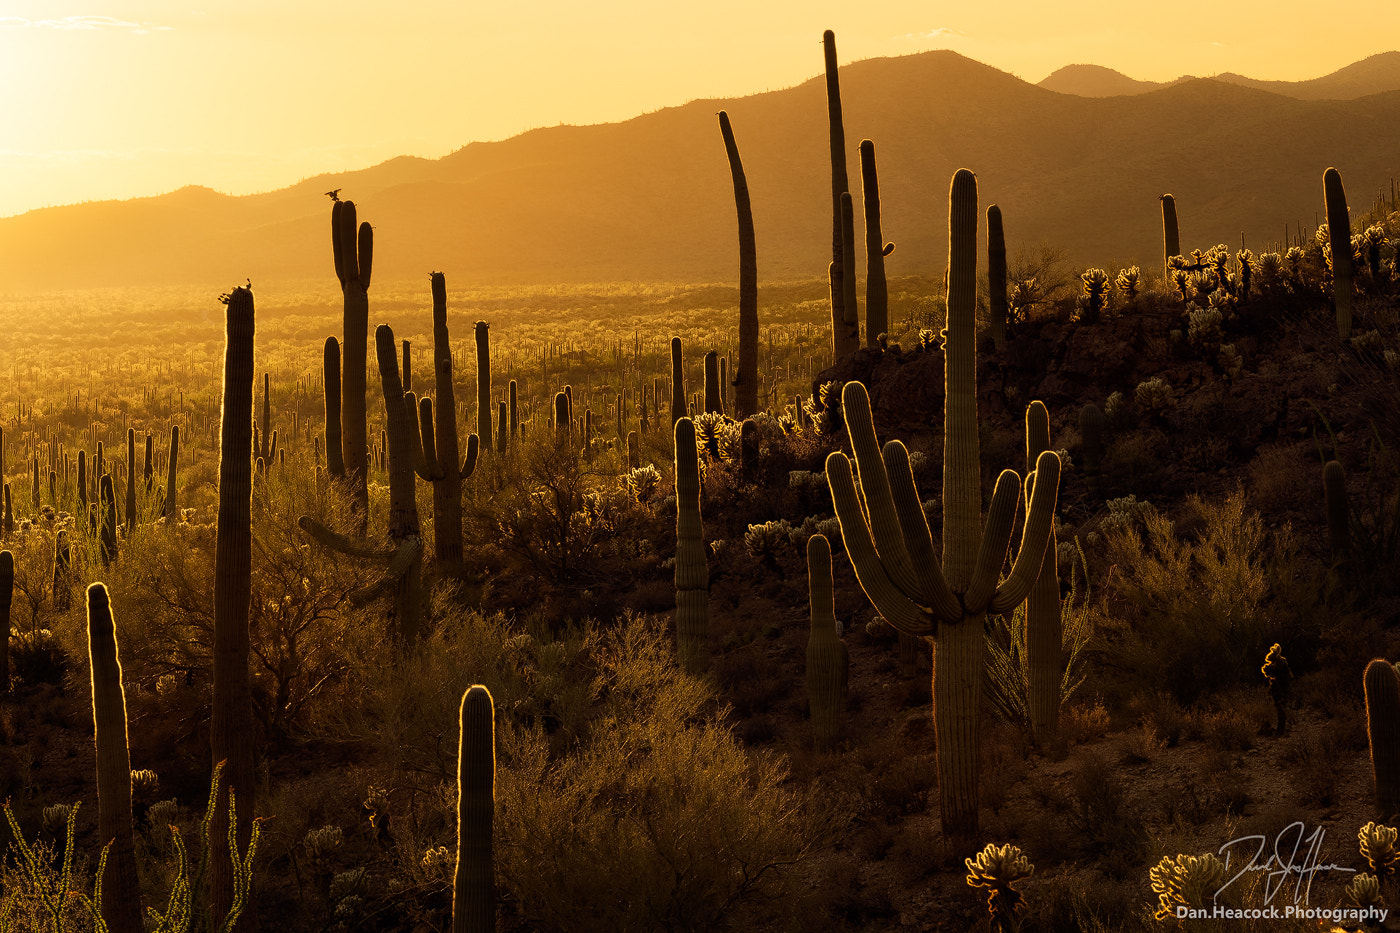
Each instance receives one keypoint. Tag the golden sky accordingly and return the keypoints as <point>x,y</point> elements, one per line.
<point>105,99</point>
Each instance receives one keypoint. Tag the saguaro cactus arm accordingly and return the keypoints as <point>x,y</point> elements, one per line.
<point>746,378</point>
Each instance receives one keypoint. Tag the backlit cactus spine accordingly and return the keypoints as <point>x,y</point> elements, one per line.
<point>231,711</point>
<point>827,659</point>
<point>692,569</point>
<point>746,379</point>
<point>1383,729</point>
<point>1044,632</point>
<point>1339,229</point>
<point>474,882</point>
<point>948,603</point>
<point>121,892</point>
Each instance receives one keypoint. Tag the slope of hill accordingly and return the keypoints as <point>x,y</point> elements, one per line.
<point>1374,75</point>
<point>1096,81</point>
<point>650,199</point>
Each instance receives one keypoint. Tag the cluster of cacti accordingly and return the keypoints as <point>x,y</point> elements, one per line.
<point>893,552</point>
<point>998,869</point>
<point>1189,881</point>
<point>692,568</point>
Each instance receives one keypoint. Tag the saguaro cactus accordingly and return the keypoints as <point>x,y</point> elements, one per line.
<point>354,257</point>
<point>840,183</point>
<point>439,445</point>
<point>7,595</point>
<point>678,409</point>
<point>877,297</point>
<point>107,542</point>
<point>130,480</point>
<point>746,376</point>
<point>713,401</point>
<point>172,504</point>
<point>1339,230</point>
<point>692,569</point>
<point>335,458</point>
<point>121,892</point>
<point>1171,239</point>
<point>893,553</point>
<point>1044,632</point>
<point>996,276</point>
<point>474,882</point>
<point>483,385</point>
<point>1383,728</point>
<point>827,658</point>
<point>231,712</point>
<point>62,573</point>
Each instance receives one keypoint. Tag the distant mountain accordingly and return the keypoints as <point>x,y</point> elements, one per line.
<point>650,199</point>
<point>1096,81</point>
<point>1374,75</point>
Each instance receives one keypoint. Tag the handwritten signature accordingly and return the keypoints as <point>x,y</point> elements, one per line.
<point>1296,856</point>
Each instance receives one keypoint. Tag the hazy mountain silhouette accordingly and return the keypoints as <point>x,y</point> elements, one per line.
<point>650,198</point>
<point>1374,75</point>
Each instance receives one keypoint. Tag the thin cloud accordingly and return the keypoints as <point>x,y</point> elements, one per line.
<point>940,33</point>
<point>73,23</point>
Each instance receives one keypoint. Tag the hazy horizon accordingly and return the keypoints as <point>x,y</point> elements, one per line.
<point>144,97</point>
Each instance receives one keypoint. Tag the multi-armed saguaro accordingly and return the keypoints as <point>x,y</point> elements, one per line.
<point>354,260</point>
<point>893,552</point>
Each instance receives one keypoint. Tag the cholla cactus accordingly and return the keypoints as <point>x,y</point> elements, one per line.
<point>998,868</point>
<point>1185,881</point>
<point>1392,359</point>
<point>1218,258</point>
<point>764,540</point>
<point>1294,258</point>
<point>1368,342</point>
<point>1126,511</point>
<point>1153,395</point>
<point>144,784</point>
<point>1202,283</point>
<point>1095,294</point>
<point>1230,361</point>
<point>642,482</point>
<point>1270,272</point>
<point>1116,409</point>
<point>1245,258</point>
<point>56,817</point>
<point>320,843</point>
<point>1129,283</point>
<point>1379,849</point>
<point>928,338</point>
<point>1365,892</point>
<point>709,425</point>
<point>1022,298</point>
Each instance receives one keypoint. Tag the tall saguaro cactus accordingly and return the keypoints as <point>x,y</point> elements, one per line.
<point>483,385</point>
<point>1171,237</point>
<point>678,409</point>
<point>746,379</point>
<point>692,569</point>
<point>1383,729</point>
<point>172,503</point>
<point>130,480</point>
<point>996,276</point>
<point>1044,630</point>
<point>121,892</point>
<point>439,434</point>
<point>877,294</point>
<point>231,713</point>
<point>850,311</point>
<point>1339,231</point>
<point>354,261</point>
<point>840,183</point>
<point>474,882</point>
<point>893,554</point>
<point>827,659</point>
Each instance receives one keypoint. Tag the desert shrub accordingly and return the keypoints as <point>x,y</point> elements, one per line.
<point>659,794</point>
<point>1197,614</point>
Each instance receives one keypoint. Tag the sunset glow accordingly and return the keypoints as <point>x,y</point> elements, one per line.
<point>139,98</point>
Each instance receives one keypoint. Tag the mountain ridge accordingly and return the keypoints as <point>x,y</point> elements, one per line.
<point>650,198</point>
